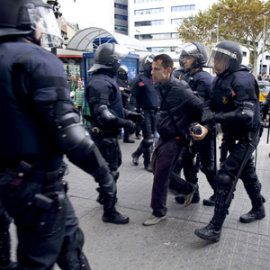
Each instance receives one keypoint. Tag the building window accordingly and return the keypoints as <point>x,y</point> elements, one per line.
<point>120,28</point>
<point>159,49</point>
<point>120,17</point>
<point>267,57</point>
<point>145,1</point>
<point>183,8</point>
<point>177,21</point>
<point>174,35</point>
<point>154,36</point>
<point>149,23</point>
<point>120,6</point>
<point>148,11</point>
<point>244,54</point>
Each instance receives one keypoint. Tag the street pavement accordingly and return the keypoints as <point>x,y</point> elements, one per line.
<point>170,244</point>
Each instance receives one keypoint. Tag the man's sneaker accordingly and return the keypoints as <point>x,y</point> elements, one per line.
<point>181,199</point>
<point>115,218</point>
<point>211,201</point>
<point>135,159</point>
<point>189,196</point>
<point>152,220</point>
<point>253,214</point>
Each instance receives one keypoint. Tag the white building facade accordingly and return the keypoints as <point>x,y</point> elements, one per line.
<point>155,22</point>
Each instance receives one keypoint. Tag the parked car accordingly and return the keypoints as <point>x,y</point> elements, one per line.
<point>264,87</point>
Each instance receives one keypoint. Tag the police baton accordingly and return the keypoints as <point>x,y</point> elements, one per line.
<point>267,138</point>
<point>252,146</point>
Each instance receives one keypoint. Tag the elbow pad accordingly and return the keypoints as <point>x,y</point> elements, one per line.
<point>246,112</point>
<point>80,149</point>
<point>243,114</point>
<point>105,117</point>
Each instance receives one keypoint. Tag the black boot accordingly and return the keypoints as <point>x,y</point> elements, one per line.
<point>115,217</point>
<point>128,140</point>
<point>211,232</point>
<point>148,167</point>
<point>135,158</point>
<point>181,199</point>
<point>211,201</point>
<point>253,214</point>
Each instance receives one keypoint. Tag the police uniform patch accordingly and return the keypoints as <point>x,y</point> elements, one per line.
<point>224,100</point>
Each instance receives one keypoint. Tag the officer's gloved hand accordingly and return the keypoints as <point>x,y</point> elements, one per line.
<point>207,117</point>
<point>131,126</point>
<point>107,188</point>
<point>135,117</point>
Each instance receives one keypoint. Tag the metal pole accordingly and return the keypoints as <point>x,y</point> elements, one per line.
<point>263,45</point>
<point>218,23</point>
<point>264,18</point>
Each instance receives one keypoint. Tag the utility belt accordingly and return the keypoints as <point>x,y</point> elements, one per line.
<point>104,133</point>
<point>51,187</point>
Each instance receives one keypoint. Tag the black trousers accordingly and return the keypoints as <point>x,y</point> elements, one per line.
<point>47,228</point>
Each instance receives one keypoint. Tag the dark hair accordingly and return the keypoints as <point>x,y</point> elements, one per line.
<point>166,60</point>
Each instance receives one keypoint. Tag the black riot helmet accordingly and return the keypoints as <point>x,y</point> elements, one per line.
<point>147,64</point>
<point>27,17</point>
<point>122,72</point>
<point>107,56</point>
<point>226,56</point>
<point>195,50</point>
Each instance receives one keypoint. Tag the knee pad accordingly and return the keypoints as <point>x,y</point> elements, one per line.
<point>224,181</point>
<point>72,256</point>
<point>147,142</point>
<point>115,175</point>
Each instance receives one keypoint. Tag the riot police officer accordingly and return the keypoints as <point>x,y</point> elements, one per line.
<point>124,83</point>
<point>107,113</point>
<point>235,106</point>
<point>42,125</point>
<point>148,100</point>
<point>193,58</point>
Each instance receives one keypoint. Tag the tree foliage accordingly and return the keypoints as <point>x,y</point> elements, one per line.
<point>238,20</point>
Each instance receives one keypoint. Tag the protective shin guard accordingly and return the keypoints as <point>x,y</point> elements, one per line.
<point>253,189</point>
<point>72,256</point>
<point>212,231</point>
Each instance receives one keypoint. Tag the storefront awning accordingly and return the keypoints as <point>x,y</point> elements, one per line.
<point>89,39</point>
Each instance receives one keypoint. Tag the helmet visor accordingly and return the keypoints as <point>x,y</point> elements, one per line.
<point>45,24</point>
<point>149,59</point>
<point>220,59</point>
<point>119,52</point>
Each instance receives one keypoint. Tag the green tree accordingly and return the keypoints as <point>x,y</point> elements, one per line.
<point>239,20</point>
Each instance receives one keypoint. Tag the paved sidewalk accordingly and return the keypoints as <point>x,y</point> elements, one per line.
<point>170,244</point>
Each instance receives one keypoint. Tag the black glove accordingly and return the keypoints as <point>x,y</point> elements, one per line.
<point>107,188</point>
<point>207,117</point>
<point>135,117</point>
<point>131,126</point>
